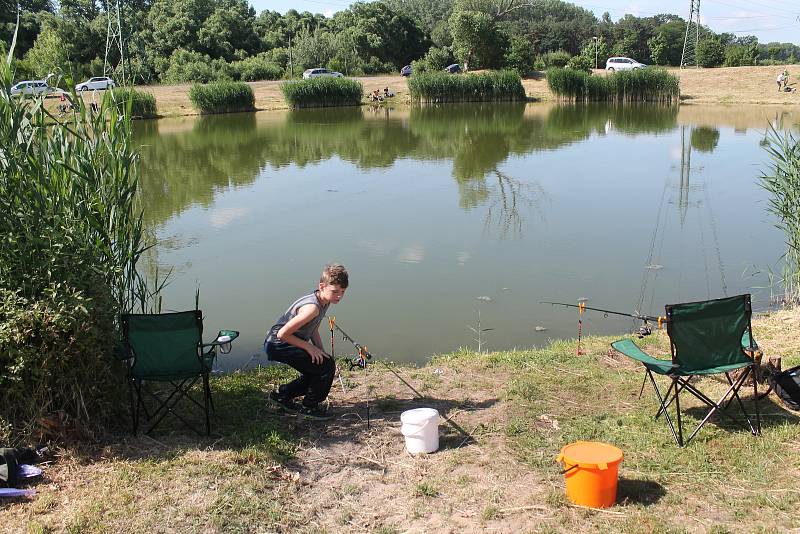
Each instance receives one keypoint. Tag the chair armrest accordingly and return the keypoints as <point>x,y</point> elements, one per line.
<point>632,350</point>
<point>223,341</point>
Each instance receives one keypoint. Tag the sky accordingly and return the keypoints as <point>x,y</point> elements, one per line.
<point>769,20</point>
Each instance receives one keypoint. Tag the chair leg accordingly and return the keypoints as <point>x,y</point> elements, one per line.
<point>733,389</point>
<point>134,405</point>
<point>662,408</point>
<point>678,413</point>
<point>207,399</point>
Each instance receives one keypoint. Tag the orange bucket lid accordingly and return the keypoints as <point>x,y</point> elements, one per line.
<point>590,454</point>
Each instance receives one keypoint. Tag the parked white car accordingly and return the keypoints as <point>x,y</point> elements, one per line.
<point>623,63</point>
<point>31,87</point>
<point>318,73</point>
<point>98,82</point>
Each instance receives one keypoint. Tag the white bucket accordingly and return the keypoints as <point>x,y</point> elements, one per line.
<point>421,430</point>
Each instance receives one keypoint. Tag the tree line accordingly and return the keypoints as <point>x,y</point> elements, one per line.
<point>173,41</point>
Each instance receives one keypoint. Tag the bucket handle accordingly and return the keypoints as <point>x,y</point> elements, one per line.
<point>568,469</point>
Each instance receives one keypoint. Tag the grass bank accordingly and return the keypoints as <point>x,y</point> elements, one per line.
<point>439,87</point>
<point>640,85</point>
<point>508,414</point>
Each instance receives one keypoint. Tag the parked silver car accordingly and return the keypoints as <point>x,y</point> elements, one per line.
<point>623,63</point>
<point>319,73</point>
<point>97,82</point>
<point>31,87</point>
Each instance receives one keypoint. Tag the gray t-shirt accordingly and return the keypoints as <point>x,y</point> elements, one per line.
<point>305,331</point>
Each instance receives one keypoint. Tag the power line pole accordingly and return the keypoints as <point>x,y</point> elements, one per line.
<point>114,42</point>
<point>690,42</point>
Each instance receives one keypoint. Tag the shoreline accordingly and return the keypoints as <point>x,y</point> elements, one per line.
<point>723,85</point>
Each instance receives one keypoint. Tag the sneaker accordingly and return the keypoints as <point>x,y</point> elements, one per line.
<point>287,405</point>
<point>316,412</point>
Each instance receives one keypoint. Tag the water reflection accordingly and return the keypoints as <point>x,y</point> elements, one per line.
<point>184,165</point>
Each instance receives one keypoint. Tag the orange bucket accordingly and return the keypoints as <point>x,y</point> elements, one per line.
<point>590,471</point>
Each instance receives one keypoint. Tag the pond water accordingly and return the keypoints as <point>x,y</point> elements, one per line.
<point>450,217</point>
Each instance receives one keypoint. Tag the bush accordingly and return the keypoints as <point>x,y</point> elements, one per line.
<point>322,92</point>
<point>436,59</point>
<point>436,87</point>
<point>519,56</point>
<point>710,53</point>
<point>256,68</point>
<point>640,85</point>
<point>184,66</point>
<point>559,58</point>
<point>143,104</point>
<point>581,63</point>
<point>740,55</point>
<point>222,97</point>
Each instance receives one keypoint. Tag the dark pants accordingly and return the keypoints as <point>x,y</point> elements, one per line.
<point>315,379</point>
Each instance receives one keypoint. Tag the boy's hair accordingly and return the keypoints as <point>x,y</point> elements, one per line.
<point>334,273</point>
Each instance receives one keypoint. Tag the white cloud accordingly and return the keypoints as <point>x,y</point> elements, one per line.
<point>222,217</point>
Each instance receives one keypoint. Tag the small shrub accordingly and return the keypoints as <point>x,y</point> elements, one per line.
<point>256,68</point>
<point>436,59</point>
<point>184,66</point>
<point>437,87</point>
<point>222,97</point>
<point>559,58</point>
<point>143,104</point>
<point>581,63</point>
<point>322,92</point>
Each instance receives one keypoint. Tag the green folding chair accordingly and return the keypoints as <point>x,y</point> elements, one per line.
<point>167,349</point>
<point>706,338</point>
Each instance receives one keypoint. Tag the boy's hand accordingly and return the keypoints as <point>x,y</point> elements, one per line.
<point>317,354</point>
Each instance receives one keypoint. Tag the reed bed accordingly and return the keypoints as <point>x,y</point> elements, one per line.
<point>322,92</point>
<point>222,97</point>
<point>640,85</point>
<point>782,181</point>
<point>142,104</point>
<point>440,87</point>
<point>71,221</point>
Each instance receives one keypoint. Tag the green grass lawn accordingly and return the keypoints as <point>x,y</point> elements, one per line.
<point>510,414</point>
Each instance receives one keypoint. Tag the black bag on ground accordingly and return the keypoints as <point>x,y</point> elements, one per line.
<point>8,467</point>
<point>787,385</point>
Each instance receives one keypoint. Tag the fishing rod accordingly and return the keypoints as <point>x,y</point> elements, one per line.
<point>644,330</point>
<point>364,355</point>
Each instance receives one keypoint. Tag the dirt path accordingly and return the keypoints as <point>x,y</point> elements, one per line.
<point>729,85</point>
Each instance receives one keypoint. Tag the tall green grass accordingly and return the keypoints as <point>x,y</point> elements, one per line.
<point>640,85</point>
<point>438,87</point>
<point>322,92</point>
<point>783,183</point>
<point>142,103</point>
<point>222,97</point>
<point>71,221</point>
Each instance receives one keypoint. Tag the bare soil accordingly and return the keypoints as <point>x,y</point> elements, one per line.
<point>725,85</point>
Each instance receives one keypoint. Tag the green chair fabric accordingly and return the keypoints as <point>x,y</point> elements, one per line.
<point>708,337</point>
<point>167,348</point>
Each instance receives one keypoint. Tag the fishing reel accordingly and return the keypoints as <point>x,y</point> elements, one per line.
<point>644,330</point>
<point>360,361</point>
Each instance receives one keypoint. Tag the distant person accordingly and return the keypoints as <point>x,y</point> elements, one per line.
<point>387,93</point>
<point>781,81</point>
<point>294,340</point>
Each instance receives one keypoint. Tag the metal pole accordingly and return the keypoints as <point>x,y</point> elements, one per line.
<point>291,67</point>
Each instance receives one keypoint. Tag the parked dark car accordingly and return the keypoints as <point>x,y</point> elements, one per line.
<point>453,69</point>
<point>405,71</point>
